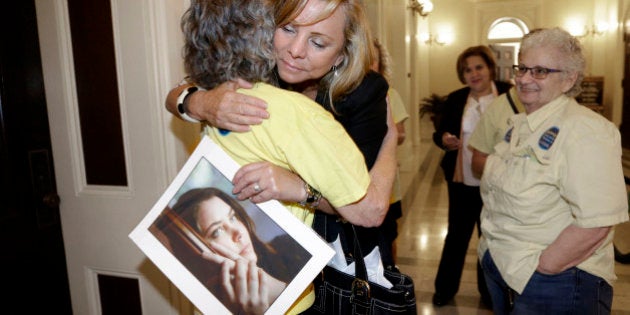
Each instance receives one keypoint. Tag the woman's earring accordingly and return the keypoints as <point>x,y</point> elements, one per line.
<point>334,69</point>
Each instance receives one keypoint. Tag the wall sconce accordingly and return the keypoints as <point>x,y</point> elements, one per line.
<point>597,29</point>
<point>422,7</point>
<point>439,39</point>
<point>579,30</point>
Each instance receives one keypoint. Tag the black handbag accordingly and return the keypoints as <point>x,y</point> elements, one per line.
<point>339,293</point>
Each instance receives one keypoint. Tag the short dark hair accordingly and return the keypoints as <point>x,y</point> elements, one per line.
<point>482,51</point>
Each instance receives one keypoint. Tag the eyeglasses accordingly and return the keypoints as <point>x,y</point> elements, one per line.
<point>537,72</point>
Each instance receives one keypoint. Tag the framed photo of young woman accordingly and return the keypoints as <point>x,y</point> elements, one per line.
<point>219,251</point>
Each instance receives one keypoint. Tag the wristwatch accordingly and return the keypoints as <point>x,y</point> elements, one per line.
<point>313,196</point>
<point>181,103</point>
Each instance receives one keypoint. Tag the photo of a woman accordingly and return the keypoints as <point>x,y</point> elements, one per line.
<point>211,233</point>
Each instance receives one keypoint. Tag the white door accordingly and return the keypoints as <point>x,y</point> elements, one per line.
<point>505,58</point>
<point>96,220</point>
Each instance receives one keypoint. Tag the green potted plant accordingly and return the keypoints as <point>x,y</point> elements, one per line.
<point>434,106</point>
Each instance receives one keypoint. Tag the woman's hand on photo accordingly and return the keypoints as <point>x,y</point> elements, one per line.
<point>245,286</point>
<point>262,181</point>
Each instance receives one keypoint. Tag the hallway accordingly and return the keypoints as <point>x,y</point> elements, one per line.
<point>423,227</point>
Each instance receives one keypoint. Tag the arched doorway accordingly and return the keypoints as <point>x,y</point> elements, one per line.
<point>504,37</point>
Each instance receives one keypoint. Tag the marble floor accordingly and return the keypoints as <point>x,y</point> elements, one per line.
<point>423,227</point>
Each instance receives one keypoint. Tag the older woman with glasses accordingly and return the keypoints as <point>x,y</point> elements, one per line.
<point>552,191</point>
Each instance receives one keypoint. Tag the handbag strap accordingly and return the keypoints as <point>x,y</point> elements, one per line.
<point>359,269</point>
<point>360,284</point>
<point>509,97</point>
<point>331,226</point>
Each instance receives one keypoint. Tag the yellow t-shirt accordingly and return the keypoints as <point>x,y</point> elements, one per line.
<point>399,114</point>
<point>300,136</point>
<point>557,166</point>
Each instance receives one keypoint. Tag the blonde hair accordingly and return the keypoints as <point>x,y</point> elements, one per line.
<point>384,60</point>
<point>357,55</point>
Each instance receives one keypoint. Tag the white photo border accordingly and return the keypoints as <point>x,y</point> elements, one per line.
<point>185,281</point>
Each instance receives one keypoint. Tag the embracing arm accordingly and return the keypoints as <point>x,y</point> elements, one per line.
<point>281,184</point>
<point>278,183</point>
<point>222,106</point>
<point>370,211</point>
<point>371,112</point>
<point>573,246</point>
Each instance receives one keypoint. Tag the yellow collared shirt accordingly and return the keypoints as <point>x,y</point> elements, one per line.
<point>557,166</point>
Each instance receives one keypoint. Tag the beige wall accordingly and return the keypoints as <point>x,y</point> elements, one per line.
<point>431,69</point>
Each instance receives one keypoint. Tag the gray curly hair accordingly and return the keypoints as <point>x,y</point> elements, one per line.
<point>567,45</point>
<point>228,39</point>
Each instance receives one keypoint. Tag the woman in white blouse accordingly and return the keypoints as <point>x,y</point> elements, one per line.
<point>462,111</point>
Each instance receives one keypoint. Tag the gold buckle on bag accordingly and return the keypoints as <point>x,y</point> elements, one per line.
<point>361,289</point>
